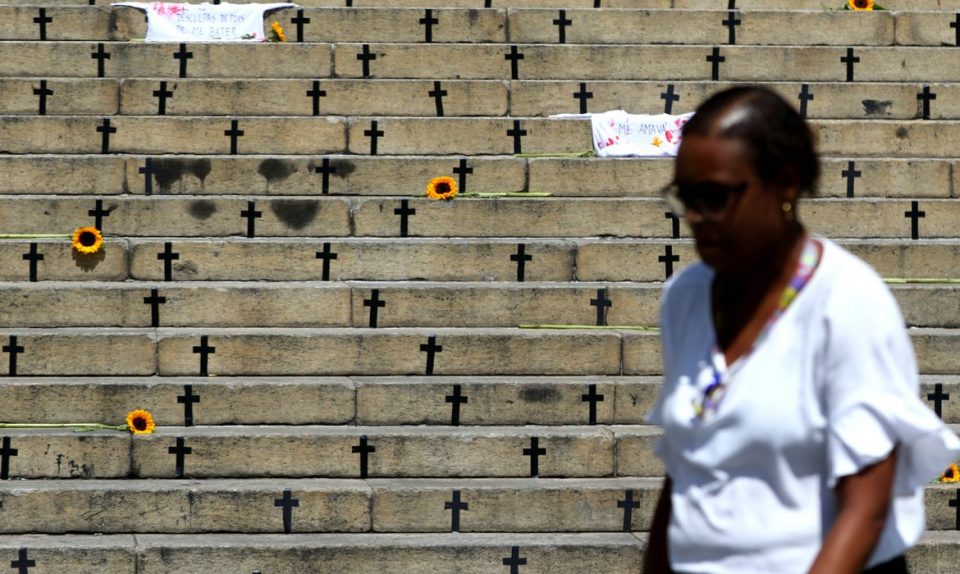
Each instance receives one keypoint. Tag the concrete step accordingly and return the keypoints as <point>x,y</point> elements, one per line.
<point>56,259</point>
<point>751,5</point>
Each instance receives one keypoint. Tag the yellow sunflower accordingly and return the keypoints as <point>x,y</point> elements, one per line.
<point>860,5</point>
<point>442,188</point>
<point>281,37</point>
<point>87,240</point>
<point>952,474</point>
<point>140,422</point>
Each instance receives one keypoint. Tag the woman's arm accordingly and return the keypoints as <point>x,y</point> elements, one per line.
<point>863,501</point>
<point>655,558</point>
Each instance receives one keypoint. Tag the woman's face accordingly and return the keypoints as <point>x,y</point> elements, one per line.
<point>736,219</point>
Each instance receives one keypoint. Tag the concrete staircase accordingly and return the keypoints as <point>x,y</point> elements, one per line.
<point>337,365</point>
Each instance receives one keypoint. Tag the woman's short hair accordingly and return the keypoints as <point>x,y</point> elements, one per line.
<point>779,141</point>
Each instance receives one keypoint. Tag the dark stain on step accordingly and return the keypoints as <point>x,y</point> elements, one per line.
<point>343,167</point>
<point>540,395</point>
<point>295,213</point>
<point>202,208</point>
<point>168,171</point>
<point>877,107</point>
<point>902,132</point>
<point>275,169</point>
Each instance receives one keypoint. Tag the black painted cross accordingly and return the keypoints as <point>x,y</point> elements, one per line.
<point>23,563</point>
<point>534,452</point>
<point>731,23</point>
<point>583,95</point>
<point>455,506</point>
<point>14,349</point>
<point>915,215</point>
<point>204,350</point>
<point>515,561</point>
<point>105,129</point>
<point>521,257</point>
<point>188,399</point>
<point>455,400</point>
<point>251,214</point>
<point>668,259</point>
<point>364,450</point>
<point>42,20</point>
<point>162,94</point>
<point>851,174</point>
<point>5,453</point>
<point>517,134</point>
<point>805,96</point>
<point>366,57</point>
<point>668,98</point>
<point>674,224</point>
<point>628,504</point>
<point>147,172</point>
<point>316,93</point>
<point>431,348</point>
<point>561,22</point>
<point>375,305</point>
<point>168,257</point>
<point>404,211</point>
<point>926,96</point>
<point>233,133</point>
<point>437,94</point>
<point>514,56</point>
<point>325,170</point>
<point>327,255</point>
<point>299,21</point>
<point>100,55</point>
<point>374,134</point>
<point>955,503</point>
<point>715,59</point>
<point>42,92</point>
<point>183,55</point>
<point>462,171</point>
<point>287,503</point>
<point>98,213</point>
<point>427,22</point>
<point>154,300</point>
<point>180,450</point>
<point>33,257</point>
<point>602,304</point>
<point>956,27</point>
<point>593,398</point>
<point>849,60</point>
<point>938,397</point>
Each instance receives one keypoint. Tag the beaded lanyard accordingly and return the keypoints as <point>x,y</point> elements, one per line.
<point>714,392</point>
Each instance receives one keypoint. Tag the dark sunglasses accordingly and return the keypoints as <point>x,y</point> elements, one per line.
<point>706,198</point>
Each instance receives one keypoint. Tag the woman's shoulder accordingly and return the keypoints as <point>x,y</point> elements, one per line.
<point>851,285</point>
<point>693,277</point>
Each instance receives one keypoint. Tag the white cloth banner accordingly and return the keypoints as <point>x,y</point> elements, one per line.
<point>173,22</point>
<point>619,134</point>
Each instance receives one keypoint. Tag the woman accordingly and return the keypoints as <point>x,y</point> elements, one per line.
<point>794,438</point>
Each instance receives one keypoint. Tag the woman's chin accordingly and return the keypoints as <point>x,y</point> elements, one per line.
<point>716,255</point>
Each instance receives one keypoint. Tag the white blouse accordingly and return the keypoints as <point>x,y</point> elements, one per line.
<point>831,389</point>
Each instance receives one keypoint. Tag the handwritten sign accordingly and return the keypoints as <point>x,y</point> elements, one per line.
<point>619,134</point>
<point>176,22</point>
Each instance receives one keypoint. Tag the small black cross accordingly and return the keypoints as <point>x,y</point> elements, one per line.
<point>168,257</point>
<point>455,505</point>
<point>327,256</point>
<point>514,56</point>
<point>180,450</point>
<point>514,561</point>
<point>204,350</point>
<point>915,215</point>
<point>561,23</point>
<point>583,95</point>
<point>147,172</point>
<point>287,503</point>
<point>674,224</point>
<point>602,304</point>
<point>437,94</point>
<point>668,98</point>
<point>374,134</point>
<point>731,23</point>
<point>154,300</point>
<point>364,450</point>
<point>183,55</point>
<point>956,26</point>
<point>431,348</point>
<point>593,398</point>
<point>299,21</point>
<point>404,211</point>
<point>849,60</point>
<point>252,215</point>
<point>926,96</point>
<point>375,305</point>
<point>42,19</point>
<point>316,93</point>
<point>668,259</point>
<point>517,134</point>
<point>955,503</point>
<point>33,257</point>
<point>14,349</point>
<point>105,129</point>
<point>233,133</point>
<point>628,504</point>
<point>188,399</point>
<point>462,171</point>
<point>98,213</point>
<point>366,57</point>
<point>456,399</point>
<point>100,55</point>
<point>732,5</point>
<point>162,94</point>
<point>851,174</point>
<point>534,452</point>
<point>325,170</point>
<point>805,96</point>
<point>938,397</point>
<point>42,92</point>
<point>715,59</point>
<point>23,562</point>
<point>521,257</point>
<point>428,21</point>
<point>5,453</point>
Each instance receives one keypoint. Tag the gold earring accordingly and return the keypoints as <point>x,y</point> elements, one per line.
<point>787,210</point>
